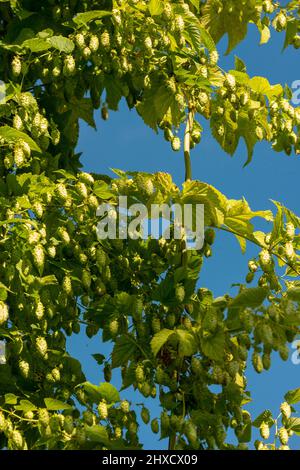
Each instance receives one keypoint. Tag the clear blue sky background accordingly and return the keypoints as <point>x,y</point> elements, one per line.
<point>125,142</point>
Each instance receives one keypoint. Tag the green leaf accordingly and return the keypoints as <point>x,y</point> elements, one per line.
<point>293,396</point>
<point>245,433</point>
<point>262,85</point>
<point>109,393</point>
<point>62,44</point>
<point>251,297</point>
<point>104,391</point>
<point>83,109</point>
<point>293,293</point>
<point>13,135</point>
<point>99,358</point>
<point>159,339</point>
<point>186,343</point>
<point>25,405</point>
<point>10,399</point>
<point>123,351</point>
<point>265,417</point>
<point>213,346</point>
<point>293,424</point>
<point>102,190</point>
<point>83,19</point>
<point>56,405</point>
<point>97,434</point>
<point>156,7</point>
<point>240,65</point>
<point>36,44</point>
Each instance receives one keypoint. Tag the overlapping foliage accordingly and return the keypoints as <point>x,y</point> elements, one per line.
<point>172,340</point>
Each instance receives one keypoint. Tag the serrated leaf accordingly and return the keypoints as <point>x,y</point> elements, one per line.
<point>186,343</point>
<point>160,339</point>
<point>25,405</point>
<point>265,417</point>
<point>109,393</point>
<point>102,190</point>
<point>104,391</point>
<point>97,434</point>
<point>293,396</point>
<point>293,424</point>
<point>213,346</point>
<point>99,358</point>
<point>62,44</point>
<point>56,405</point>
<point>36,44</point>
<point>293,293</point>
<point>85,18</point>
<point>240,65</point>
<point>251,297</point>
<point>10,399</point>
<point>123,351</point>
<point>13,135</point>
<point>156,7</point>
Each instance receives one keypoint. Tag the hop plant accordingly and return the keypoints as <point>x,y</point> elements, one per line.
<point>16,439</point>
<point>102,410</point>
<point>257,362</point>
<point>17,122</point>
<point>16,66</point>
<point>67,285</point>
<point>19,157</point>
<point>94,43</point>
<point>155,426</point>
<point>69,424</point>
<point>230,81</point>
<point>62,191</point>
<point>41,346</point>
<point>39,310</point>
<point>24,368</point>
<point>285,410</point>
<point>283,436</point>
<point>82,189</point>
<point>125,407</point>
<point>176,144</point>
<point>139,374</point>
<point>145,415</point>
<point>39,257</point>
<point>3,313</point>
<point>180,293</point>
<point>113,327</point>
<point>214,57</point>
<point>43,417</point>
<point>69,65</point>
<point>2,422</point>
<point>179,23</point>
<point>105,39</point>
<point>80,40</point>
<point>148,43</point>
<point>264,431</point>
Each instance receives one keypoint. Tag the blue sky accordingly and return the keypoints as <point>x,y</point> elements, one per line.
<point>125,142</point>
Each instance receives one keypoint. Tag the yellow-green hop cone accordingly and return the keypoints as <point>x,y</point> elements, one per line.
<point>285,410</point>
